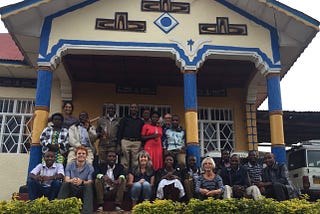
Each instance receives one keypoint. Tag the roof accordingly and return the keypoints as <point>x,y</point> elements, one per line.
<point>298,126</point>
<point>9,49</point>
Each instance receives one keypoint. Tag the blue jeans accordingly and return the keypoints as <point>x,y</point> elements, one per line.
<point>141,189</point>
<point>36,190</point>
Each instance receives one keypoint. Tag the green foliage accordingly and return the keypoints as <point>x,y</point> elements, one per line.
<point>41,206</point>
<point>235,206</point>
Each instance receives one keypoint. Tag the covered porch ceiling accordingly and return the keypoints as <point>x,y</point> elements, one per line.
<point>155,71</point>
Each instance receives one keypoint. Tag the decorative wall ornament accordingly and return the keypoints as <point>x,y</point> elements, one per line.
<point>222,27</point>
<point>190,47</point>
<point>120,22</point>
<point>165,6</point>
<point>166,22</point>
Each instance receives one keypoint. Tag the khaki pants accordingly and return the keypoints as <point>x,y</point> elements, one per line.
<point>115,194</point>
<point>252,191</point>
<point>129,150</point>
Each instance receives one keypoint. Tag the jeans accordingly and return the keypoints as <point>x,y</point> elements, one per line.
<point>36,190</point>
<point>141,189</point>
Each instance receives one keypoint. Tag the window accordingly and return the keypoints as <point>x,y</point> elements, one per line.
<point>14,133</point>
<point>297,159</point>
<point>123,109</point>
<point>313,158</point>
<point>216,130</point>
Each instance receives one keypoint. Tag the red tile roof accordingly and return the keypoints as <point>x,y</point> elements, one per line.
<point>9,49</point>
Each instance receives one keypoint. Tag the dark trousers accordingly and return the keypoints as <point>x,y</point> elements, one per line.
<point>85,192</point>
<point>36,189</point>
<point>277,191</point>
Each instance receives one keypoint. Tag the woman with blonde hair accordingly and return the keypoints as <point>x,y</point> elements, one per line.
<point>209,184</point>
<point>141,178</point>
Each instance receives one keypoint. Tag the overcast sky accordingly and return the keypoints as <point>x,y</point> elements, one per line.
<point>301,85</point>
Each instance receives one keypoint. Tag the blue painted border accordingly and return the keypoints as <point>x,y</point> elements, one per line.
<point>190,91</point>
<point>280,153</point>
<point>44,84</point>
<point>274,94</point>
<point>12,62</point>
<point>273,31</point>
<point>194,150</point>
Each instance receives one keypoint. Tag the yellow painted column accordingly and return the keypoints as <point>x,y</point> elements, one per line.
<point>41,113</point>
<point>276,117</point>
<point>191,114</point>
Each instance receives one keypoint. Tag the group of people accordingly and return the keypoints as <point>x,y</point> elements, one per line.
<point>144,156</point>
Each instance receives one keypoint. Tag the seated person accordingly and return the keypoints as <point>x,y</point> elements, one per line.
<point>82,134</point>
<point>275,180</point>
<point>55,138</point>
<point>141,178</point>
<point>236,181</point>
<point>110,182</point>
<point>168,181</point>
<point>44,179</point>
<point>209,184</point>
<point>254,168</point>
<point>78,180</point>
<point>190,175</point>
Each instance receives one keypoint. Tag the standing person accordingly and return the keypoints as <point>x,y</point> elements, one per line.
<point>275,180</point>
<point>55,138</point>
<point>236,181</point>
<point>146,115</point>
<point>141,178</point>
<point>44,179</point>
<point>110,182</point>
<point>82,134</point>
<point>166,124</point>
<point>209,184</point>
<point>129,137</point>
<point>151,134</point>
<point>175,142</point>
<point>78,180</point>
<point>69,119</point>
<point>190,175</point>
<point>107,128</point>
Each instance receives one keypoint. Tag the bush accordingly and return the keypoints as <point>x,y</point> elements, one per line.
<point>236,206</point>
<point>41,206</point>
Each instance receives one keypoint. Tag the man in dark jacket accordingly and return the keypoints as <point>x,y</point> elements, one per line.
<point>110,182</point>
<point>275,179</point>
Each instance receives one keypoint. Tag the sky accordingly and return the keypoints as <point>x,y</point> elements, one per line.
<point>300,86</point>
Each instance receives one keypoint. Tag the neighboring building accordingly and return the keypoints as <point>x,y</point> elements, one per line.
<point>211,62</point>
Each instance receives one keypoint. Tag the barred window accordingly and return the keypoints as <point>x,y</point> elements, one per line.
<point>14,132</point>
<point>216,130</point>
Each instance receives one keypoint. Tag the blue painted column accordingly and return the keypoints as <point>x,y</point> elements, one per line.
<point>191,114</point>
<point>275,116</point>
<point>41,113</point>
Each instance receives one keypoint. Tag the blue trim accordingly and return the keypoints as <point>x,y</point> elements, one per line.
<point>273,31</point>
<point>18,6</point>
<point>44,85</point>
<point>280,153</point>
<point>295,12</point>
<point>190,91</point>
<point>46,28</point>
<point>35,157</point>
<point>274,94</point>
<point>203,50</point>
<point>194,150</point>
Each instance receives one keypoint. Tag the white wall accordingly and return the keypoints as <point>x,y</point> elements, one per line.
<point>14,169</point>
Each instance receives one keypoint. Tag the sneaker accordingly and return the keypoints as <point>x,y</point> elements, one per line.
<point>118,209</point>
<point>100,209</point>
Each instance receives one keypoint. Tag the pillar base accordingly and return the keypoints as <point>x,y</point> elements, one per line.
<point>194,150</point>
<point>279,153</point>
<point>35,157</point>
